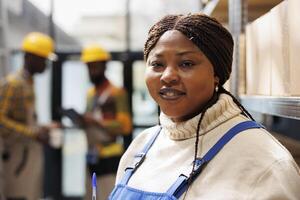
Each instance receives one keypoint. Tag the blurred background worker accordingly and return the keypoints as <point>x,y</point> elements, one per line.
<point>1,170</point>
<point>22,137</point>
<point>107,117</point>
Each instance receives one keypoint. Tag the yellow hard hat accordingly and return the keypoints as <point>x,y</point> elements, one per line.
<point>39,44</point>
<point>93,53</point>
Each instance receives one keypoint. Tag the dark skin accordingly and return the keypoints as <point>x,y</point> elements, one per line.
<point>97,76</point>
<point>35,64</point>
<point>96,72</point>
<point>179,77</point>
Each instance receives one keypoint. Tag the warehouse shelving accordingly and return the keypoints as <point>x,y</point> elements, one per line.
<point>288,107</point>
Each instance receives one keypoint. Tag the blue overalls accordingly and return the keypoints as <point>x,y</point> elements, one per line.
<point>123,192</point>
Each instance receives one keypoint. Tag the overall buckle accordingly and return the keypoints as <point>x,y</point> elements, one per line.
<point>138,160</point>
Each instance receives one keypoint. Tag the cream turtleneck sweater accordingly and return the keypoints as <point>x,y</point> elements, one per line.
<point>253,165</point>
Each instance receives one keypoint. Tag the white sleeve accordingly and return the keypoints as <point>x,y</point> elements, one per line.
<point>280,181</point>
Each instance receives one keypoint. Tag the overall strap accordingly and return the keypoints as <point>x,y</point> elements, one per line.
<point>181,184</point>
<point>228,136</point>
<point>139,158</point>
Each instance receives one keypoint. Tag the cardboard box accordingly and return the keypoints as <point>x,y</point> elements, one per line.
<point>258,41</point>
<point>251,59</point>
<point>242,65</point>
<point>294,46</point>
<point>280,75</point>
<point>273,52</point>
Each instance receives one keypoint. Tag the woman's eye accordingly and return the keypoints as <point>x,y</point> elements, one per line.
<point>187,64</point>
<point>156,64</point>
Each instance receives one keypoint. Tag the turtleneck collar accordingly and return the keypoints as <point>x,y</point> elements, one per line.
<point>223,110</point>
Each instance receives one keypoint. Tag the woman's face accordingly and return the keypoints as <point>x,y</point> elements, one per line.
<point>179,77</point>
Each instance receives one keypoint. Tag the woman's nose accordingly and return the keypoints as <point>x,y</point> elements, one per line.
<point>170,75</point>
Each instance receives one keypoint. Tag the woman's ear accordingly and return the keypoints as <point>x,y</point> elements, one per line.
<point>217,81</point>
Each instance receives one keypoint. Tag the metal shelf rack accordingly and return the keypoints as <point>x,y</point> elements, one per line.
<point>288,107</point>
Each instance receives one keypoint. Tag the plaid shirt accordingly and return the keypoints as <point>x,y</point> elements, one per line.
<point>17,105</point>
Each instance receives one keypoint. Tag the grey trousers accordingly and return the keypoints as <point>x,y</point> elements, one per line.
<point>28,182</point>
<point>1,171</point>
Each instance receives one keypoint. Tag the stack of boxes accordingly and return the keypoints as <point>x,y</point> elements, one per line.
<point>280,68</point>
<point>294,46</point>
<point>273,52</point>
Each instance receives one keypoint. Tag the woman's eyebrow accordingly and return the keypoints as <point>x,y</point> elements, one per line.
<point>159,54</point>
<point>188,52</point>
<point>179,53</point>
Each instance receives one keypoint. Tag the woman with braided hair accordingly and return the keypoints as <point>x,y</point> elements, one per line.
<point>206,146</point>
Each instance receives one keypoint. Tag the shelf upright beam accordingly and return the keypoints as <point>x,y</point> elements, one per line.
<point>4,50</point>
<point>210,6</point>
<point>237,20</point>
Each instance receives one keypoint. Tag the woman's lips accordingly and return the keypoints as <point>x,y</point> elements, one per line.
<point>170,93</point>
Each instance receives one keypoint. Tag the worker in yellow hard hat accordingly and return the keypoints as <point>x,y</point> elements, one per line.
<point>39,44</point>
<point>22,136</point>
<point>106,119</point>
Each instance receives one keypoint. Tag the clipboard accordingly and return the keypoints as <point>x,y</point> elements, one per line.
<point>73,115</point>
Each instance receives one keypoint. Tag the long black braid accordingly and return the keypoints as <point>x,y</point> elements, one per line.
<point>211,102</point>
<point>243,109</point>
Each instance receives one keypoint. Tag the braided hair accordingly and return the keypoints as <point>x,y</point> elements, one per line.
<point>213,40</point>
<point>205,32</point>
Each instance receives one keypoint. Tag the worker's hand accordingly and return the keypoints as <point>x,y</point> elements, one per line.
<point>42,134</point>
<point>54,125</point>
<point>89,120</point>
